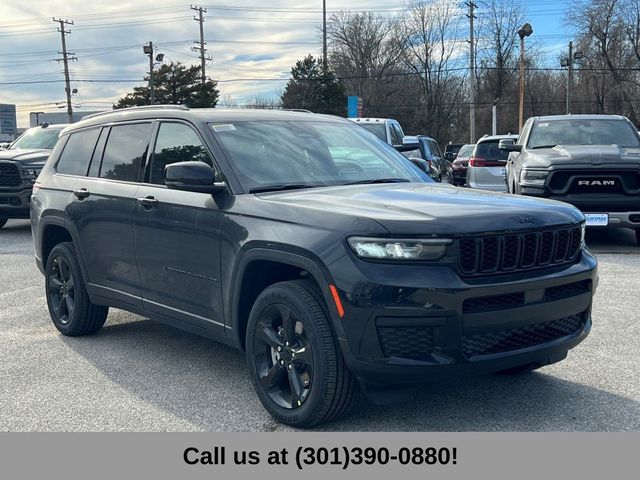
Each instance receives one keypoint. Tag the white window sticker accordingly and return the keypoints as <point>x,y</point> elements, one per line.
<point>227,127</point>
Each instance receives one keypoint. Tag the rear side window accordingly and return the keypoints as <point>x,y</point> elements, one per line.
<point>125,151</point>
<point>76,156</point>
<point>176,142</point>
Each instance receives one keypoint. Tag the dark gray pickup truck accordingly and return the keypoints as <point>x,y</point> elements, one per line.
<point>589,161</point>
<point>20,165</point>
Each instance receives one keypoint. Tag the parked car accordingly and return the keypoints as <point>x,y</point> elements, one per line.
<point>20,165</point>
<point>487,165</point>
<point>460,164</point>
<point>451,151</point>
<point>309,245</point>
<point>386,129</point>
<point>427,150</point>
<point>590,161</point>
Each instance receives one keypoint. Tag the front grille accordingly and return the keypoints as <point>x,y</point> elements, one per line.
<point>522,337</point>
<point>516,252</point>
<point>407,342</point>
<point>13,201</point>
<point>9,175</point>
<point>565,291</point>
<point>495,302</point>
<point>624,181</point>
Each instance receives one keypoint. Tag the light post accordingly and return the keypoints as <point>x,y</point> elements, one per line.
<point>568,62</point>
<point>524,31</point>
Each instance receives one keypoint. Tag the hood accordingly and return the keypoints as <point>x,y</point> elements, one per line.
<point>585,154</point>
<point>419,208</point>
<point>25,155</point>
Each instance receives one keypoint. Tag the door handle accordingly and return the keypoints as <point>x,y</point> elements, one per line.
<point>81,193</point>
<point>148,202</point>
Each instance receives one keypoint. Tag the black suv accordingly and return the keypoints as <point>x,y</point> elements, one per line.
<point>590,161</point>
<point>20,165</point>
<point>311,245</point>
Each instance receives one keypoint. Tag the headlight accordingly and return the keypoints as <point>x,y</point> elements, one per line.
<point>399,249</point>
<point>30,173</point>
<point>533,177</point>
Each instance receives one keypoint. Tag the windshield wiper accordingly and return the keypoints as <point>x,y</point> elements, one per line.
<point>378,180</point>
<point>284,186</point>
<point>542,146</point>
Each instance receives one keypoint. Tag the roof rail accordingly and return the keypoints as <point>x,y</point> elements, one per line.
<point>301,110</point>
<point>142,107</point>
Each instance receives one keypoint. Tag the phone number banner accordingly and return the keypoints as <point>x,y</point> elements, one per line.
<point>320,455</point>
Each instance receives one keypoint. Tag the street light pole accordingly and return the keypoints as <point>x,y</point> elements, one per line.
<point>524,31</point>
<point>148,50</point>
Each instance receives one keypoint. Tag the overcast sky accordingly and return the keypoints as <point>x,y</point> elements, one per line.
<point>246,40</point>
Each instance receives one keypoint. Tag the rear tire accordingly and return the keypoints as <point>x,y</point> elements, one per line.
<point>294,361</point>
<point>71,311</point>
<point>3,222</point>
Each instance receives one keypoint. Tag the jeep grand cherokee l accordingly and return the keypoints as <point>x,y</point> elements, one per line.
<point>590,161</point>
<point>309,244</point>
<point>20,165</point>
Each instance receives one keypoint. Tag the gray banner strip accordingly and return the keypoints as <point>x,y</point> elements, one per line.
<point>484,455</point>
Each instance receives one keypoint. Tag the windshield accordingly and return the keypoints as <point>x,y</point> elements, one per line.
<point>308,154</point>
<point>465,151</point>
<point>378,129</point>
<point>574,131</point>
<point>37,138</point>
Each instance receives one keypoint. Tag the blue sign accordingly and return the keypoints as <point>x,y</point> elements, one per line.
<point>353,104</point>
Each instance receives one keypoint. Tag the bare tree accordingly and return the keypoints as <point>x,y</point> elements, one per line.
<point>433,52</point>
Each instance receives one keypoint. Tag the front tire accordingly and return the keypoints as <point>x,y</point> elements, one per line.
<point>3,222</point>
<point>638,236</point>
<point>71,311</point>
<point>293,358</point>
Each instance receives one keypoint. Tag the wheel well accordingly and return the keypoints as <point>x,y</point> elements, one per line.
<point>258,275</point>
<point>52,236</point>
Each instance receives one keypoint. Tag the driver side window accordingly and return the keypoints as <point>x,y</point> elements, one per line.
<point>176,142</point>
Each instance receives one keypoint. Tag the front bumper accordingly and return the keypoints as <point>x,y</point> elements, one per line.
<point>623,210</point>
<point>411,324</point>
<point>14,203</point>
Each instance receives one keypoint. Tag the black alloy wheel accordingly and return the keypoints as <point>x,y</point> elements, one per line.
<point>283,357</point>
<point>293,357</point>
<point>69,304</point>
<point>61,290</point>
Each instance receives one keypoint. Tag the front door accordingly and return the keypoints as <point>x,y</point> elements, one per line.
<point>177,236</point>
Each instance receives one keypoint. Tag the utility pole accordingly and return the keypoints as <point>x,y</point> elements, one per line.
<point>148,50</point>
<point>570,79</point>
<point>472,72</point>
<point>324,33</point>
<point>66,56</point>
<point>203,58</point>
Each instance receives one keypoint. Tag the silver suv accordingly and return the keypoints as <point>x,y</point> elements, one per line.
<point>487,165</point>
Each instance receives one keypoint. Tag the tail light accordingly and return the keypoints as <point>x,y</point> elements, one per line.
<point>483,162</point>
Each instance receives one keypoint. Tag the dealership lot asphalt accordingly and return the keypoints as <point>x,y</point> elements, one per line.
<point>139,375</point>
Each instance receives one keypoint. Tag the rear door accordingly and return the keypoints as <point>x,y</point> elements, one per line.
<point>177,235</point>
<point>102,211</point>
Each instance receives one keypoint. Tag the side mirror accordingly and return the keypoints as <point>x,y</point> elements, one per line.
<point>407,147</point>
<point>509,145</point>
<point>421,163</point>
<point>192,177</point>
